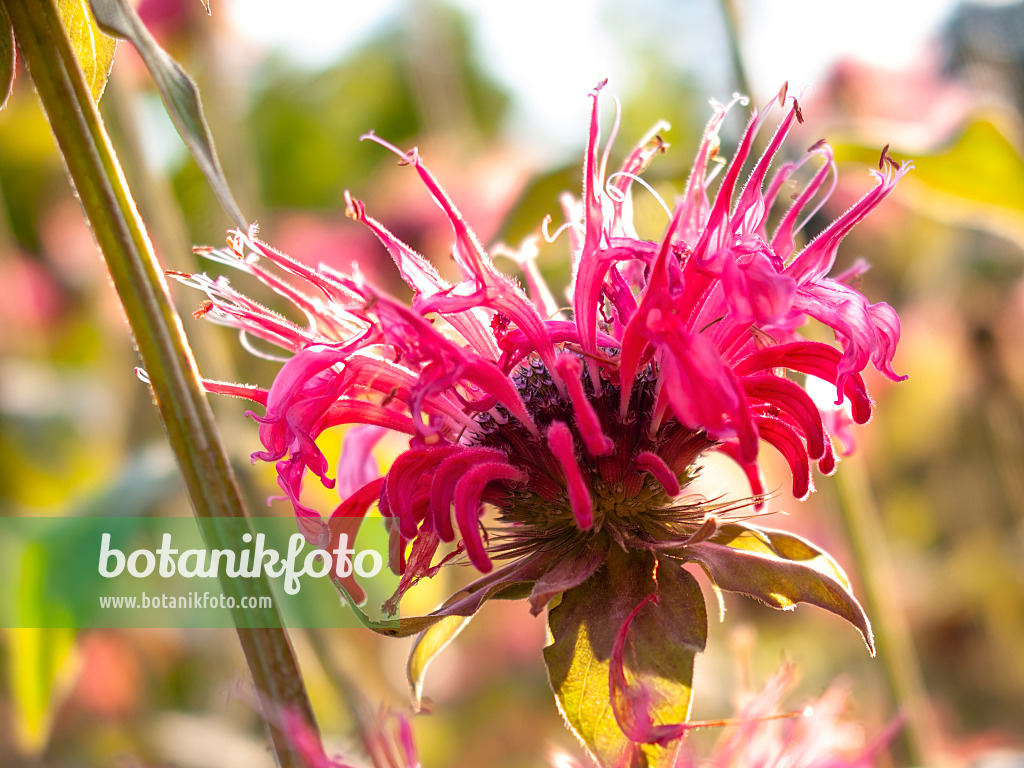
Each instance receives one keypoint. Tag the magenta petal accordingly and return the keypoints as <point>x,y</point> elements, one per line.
<point>814,359</point>
<point>560,441</point>
<point>597,443</point>
<point>790,398</point>
<point>346,520</point>
<point>467,506</point>
<point>653,463</point>
<point>631,703</point>
<point>793,450</point>
<point>447,476</point>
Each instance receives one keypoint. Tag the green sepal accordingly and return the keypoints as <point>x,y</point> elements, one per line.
<point>665,638</point>
<point>780,570</point>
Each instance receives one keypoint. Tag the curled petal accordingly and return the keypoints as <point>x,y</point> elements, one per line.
<point>751,469</point>
<point>597,443</point>
<point>656,466</point>
<point>407,475</point>
<point>560,441</point>
<point>357,466</point>
<point>790,398</point>
<point>631,704</point>
<point>815,260</point>
<point>866,331</point>
<point>793,450</point>
<point>346,520</point>
<point>447,476</point>
<point>814,359</point>
<point>467,506</point>
<point>248,391</point>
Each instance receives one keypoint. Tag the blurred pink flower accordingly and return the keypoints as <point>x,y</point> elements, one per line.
<point>761,736</point>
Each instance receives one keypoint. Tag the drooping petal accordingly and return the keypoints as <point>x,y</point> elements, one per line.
<point>560,441</point>
<point>468,491</point>
<point>653,463</point>
<point>597,443</point>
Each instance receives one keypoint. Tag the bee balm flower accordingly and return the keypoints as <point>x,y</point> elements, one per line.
<point>583,431</point>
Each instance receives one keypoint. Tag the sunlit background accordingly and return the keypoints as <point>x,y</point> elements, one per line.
<point>928,516</point>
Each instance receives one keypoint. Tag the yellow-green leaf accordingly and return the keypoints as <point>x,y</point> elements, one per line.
<point>977,179</point>
<point>38,658</point>
<point>93,48</point>
<point>780,570</point>
<point>39,667</point>
<point>428,644</point>
<point>666,636</point>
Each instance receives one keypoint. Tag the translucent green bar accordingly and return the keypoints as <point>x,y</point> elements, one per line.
<point>149,572</point>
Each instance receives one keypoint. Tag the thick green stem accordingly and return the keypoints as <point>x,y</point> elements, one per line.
<point>165,353</point>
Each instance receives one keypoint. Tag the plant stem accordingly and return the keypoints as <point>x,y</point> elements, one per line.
<point>881,584</point>
<point>165,353</point>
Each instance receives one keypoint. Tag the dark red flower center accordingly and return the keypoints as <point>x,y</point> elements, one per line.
<point>630,503</point>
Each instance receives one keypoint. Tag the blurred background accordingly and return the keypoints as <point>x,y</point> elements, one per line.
<point>928,516</point>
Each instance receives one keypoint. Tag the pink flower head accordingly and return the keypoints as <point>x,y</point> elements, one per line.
<point>581,430</point>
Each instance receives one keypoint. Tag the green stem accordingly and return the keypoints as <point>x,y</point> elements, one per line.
<point>165,353</point>
<point>731,23</point>
<point>893,638</point>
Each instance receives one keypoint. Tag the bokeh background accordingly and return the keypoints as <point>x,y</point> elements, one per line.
<point>928,516</point>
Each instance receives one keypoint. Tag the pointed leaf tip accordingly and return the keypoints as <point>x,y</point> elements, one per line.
<point>780,570</point>
<point>428,644</point>
<point>179,94</point>
<point>93,48</point>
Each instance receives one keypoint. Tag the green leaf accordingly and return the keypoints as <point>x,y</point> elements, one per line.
<point>978,179</point>
<point>774,543</point>
<point>780,570</point>
<point>514,581</point>
<point>8,57</point>
<point>93,49</point>
<point>179,93</point>
<point>666,636</point>
<point>428,644</point>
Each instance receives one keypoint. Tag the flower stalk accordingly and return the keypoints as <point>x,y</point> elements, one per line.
<point>156,327</point>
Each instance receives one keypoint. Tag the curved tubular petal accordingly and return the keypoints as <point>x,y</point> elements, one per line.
<point>751,205</point>
<point>793,400</point>
<point>497,291</point>
<point>596,441</point>
<point>717,224</point>
<point>248,391</point>
<point>421,276</point>
<point>468,491</point>
<point>817,258</point>
<point>703,390</point>
<point>866,331</point>
<point>345,521</point>
<point>785,234</point>
<point>407,474</point>
<point>659,470</point>
<point>446,477</point>
<point>815,359</point>
<point>356,464</point>
<point>348,411</point>
<point>654,299</point>
<point>560,441</point>
<point>783,438</point>
<point>751,469</point>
